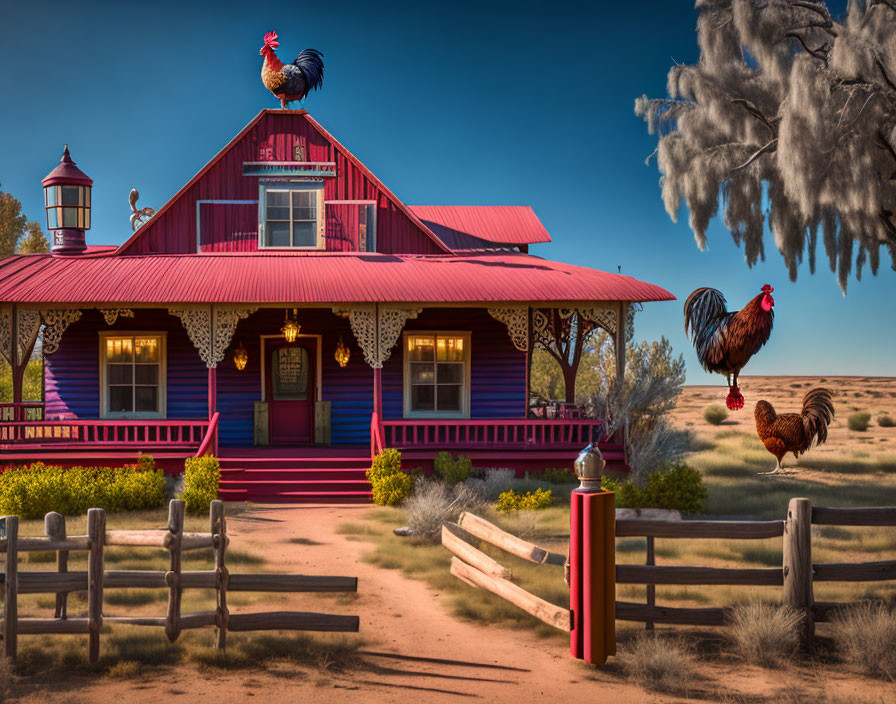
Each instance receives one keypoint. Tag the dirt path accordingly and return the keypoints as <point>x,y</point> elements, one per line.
<point>413,648</point>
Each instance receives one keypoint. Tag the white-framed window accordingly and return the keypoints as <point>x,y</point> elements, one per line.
<point>437,374</point>
<point>290,215</point>
<point>132,374</point>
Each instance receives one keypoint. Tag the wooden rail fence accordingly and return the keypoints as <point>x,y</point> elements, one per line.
<point>175,580</point>
<point>795,576</point>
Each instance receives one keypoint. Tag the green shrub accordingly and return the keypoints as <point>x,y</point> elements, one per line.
<point>859,421</point>
<point>530,501</point>
<point>386,463</point>
<point>389,484</point>
<point>202,478</point>
<point>714,415</point>
<point>559,475</point>
<point>885,421</point>
<point>392,489</point>
<point>452,469</point>
<point>32,491</point>
<point>675,487</point>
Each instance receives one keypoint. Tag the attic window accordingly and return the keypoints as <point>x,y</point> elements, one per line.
<point>290,216</point>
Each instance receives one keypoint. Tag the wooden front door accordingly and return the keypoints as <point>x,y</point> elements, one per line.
<point>289,388</point>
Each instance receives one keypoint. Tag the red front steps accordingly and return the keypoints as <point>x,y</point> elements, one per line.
<point>272,476</point>
<point>336,475</point>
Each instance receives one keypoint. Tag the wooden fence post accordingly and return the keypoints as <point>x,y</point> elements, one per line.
<point>96,537</point>
<point>222,577</point>
<point>11,587</point>
<point>651,588</point>
<point>176,511</point>
<point>54,527</point>
<point>798,564</point>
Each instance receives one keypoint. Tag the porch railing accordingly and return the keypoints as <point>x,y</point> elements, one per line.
<point>21,411</point>
<point>130,434</point>
<point>528,434</point>
<point>376,435</point>
<point>209,442</point>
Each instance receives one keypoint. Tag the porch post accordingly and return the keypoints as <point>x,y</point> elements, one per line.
<point>620,341</point>
<point>17,378</point>
<point>212,391</point>
<point>529,348</point>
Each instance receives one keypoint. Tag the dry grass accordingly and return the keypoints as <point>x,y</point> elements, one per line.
<point>865,637</point>
<point>7,678</point>
<point>763,634</point>
<point>657,663</point>
<point>433,503</point>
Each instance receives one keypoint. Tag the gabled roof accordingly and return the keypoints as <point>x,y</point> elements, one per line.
<point>322,278</point>
<point>465,227</point>
<point>124,248</point>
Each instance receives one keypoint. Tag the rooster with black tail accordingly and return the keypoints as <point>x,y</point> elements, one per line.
<point>290,81</point>
<point>725,341</point>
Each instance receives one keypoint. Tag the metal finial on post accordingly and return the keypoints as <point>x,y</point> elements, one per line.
<point>589,467</point>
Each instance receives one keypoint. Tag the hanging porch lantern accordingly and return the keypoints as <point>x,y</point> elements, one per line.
<point>240,357</point>
<point>343,354</point>
<point>291,327</point>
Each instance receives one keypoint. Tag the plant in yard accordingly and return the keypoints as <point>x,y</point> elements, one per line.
<point>859,421</point>
<point>452,469</point>
<point>715,414</point>
<point>559,475</point>
<point>32,491</point>
<point>202,478</point>
<point>658,663</point>
<point>676,486</point>
<point>786,119</point>
<point>392,489</point>
<point>386,463</point>
<point>764,634</point>
<point>529,501</point>
<point>433,503</point>
<point>885,421</point>
<point>865,636</point>
<point>641,403</point>
<point>496,482</point>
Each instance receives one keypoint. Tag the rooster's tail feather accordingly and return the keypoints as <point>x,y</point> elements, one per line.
<point>818,411</point>
<point>311,63</point>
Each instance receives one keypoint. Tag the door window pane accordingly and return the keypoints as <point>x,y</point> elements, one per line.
<point>289,367</point>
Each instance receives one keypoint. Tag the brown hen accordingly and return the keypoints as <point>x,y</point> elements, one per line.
<point>795,432</point>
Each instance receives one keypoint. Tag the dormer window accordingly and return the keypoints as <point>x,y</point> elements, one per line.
<point>291,216</point>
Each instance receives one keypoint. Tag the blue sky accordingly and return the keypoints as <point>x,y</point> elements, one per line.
<point>450,103</point>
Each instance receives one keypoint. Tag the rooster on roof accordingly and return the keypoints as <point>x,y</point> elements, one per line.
<point>290,81</point>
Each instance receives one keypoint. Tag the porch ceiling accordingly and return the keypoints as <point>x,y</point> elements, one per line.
<point>311,278</point>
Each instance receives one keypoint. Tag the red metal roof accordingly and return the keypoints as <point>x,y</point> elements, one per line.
<point>312,278</point>
<point>506,224</point>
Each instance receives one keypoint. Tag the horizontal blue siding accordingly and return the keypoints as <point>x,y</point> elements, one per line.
<point>498,371</point>
<point>497,368</point>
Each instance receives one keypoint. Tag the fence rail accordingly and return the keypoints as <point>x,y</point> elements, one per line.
<point>95,579</point>
<point>795,576</point>
<point>21,411</point>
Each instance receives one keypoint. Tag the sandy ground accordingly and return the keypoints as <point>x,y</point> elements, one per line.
<point>877,395</point>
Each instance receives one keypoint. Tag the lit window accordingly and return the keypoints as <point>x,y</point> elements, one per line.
<point>437,374</point>
<point>290,217</point>
<point>133,375</point>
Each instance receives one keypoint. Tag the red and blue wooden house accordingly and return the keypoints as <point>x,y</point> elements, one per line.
<point>287,311</point>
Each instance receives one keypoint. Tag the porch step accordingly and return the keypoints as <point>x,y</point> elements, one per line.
<point>296,497</point>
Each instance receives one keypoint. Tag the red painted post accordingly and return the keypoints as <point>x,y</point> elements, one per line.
<point>212,391</point>
<point>592,563</point>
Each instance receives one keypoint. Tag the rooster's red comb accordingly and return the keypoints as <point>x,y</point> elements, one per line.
<point>270,39</point>
<point>768,288</point>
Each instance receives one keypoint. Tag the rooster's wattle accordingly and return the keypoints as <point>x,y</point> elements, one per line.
<point>290,81</point>
<point>725,341</point>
